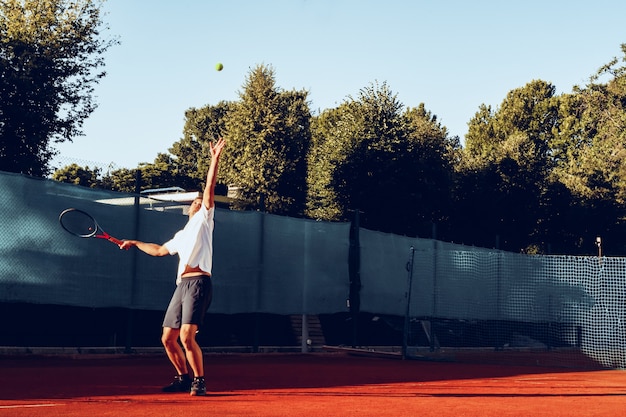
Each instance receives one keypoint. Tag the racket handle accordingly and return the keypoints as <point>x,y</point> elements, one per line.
<point>114,240</point>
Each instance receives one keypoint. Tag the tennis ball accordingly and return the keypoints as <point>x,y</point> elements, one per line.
<point>219,66</point>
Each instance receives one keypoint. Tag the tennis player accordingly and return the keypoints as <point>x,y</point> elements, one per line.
<point>193,293</point>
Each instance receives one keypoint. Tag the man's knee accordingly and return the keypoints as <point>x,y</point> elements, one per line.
<point>169,337</point>
<point>188,335</point>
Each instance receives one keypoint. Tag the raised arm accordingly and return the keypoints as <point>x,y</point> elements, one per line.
<point>208,197</point>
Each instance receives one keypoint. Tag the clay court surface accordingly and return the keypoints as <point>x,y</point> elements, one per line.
<point>319,384</point>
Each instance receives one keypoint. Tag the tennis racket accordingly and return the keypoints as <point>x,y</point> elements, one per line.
<point>81,224</point>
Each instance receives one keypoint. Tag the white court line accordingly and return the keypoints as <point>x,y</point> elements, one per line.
<point>28,405</point>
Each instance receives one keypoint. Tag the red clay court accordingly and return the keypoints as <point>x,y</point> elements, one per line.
<point>317,384</point>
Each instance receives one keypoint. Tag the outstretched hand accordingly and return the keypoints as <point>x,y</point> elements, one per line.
<point>216,149</point>
<point>127,244</point>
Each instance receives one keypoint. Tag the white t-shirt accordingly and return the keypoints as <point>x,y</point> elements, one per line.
<point>194,243</point>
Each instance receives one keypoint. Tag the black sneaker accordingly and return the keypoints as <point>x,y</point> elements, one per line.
<point>198,387</point>
<point>180,384</point>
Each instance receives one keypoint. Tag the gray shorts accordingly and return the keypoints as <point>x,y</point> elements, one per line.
<point>189,303</point>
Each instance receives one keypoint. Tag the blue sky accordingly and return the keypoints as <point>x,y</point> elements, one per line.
<point>451,55</point>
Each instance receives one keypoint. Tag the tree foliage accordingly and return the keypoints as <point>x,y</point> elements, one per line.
<point>268,137</point>
<point>548,171</point>
<point>541,173</point>
<point>593,140</point>
<point>370,155</point>
<point>51,55</point>
<point>510,149</point>
<point>191,155</point>
<point>77,175</point>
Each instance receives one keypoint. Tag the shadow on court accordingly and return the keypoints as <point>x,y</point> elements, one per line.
<point>329,384</point>
<point>78,376</point>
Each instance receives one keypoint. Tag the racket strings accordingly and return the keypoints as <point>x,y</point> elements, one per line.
<point>79,223</point>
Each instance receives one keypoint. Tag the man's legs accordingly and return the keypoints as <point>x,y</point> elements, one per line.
<point>189,303</point>
<point>171,332</point>
<point>194,357</point>
<point>192,349</point>
<point>182,381</point>
<point>173,349</point>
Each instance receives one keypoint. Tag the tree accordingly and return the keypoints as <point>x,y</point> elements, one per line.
<point>591,150</point>
<point>330,135</point>
<point>430,173</point>
<point>191,155</point>
<point>162,173</point>
<point>185,167</point>
<point>593,136</point>
<point>51,56</point>
<point>122,180</point>
<point>77,175</point>
<point>393,165</point>
<point>506,169</point>
<point>268,139</point>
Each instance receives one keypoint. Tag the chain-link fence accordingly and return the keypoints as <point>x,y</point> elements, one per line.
<point>272,266</point>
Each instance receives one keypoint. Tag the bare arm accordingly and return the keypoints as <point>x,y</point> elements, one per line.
<point>208,198</point>
<point>152,249</point>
